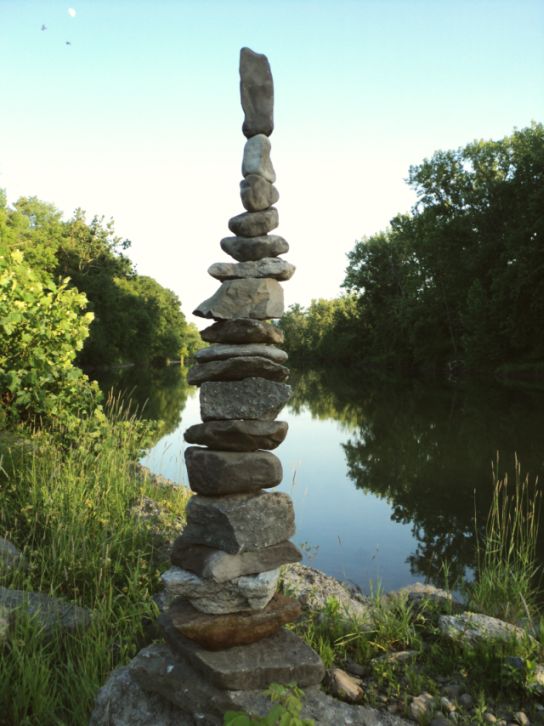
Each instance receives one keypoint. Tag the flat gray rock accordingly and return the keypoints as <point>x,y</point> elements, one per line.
<point>260,299</point>
<point>256,159</point>
<point>254,224</point>
<point>239,522</point>
<point>222,351</point>
<point>213,473</point>
<point>242,330</point>
<point>245,593</point>
<point>235,369</point>
<point>476,629</point>
<point>244,249</point>
<point>256,93</point>
<point>238,435</point>
<point>51,613</point>
<point>257,193</point>
<point>221,566</point>
<point>251,398</point>
<point>273,267</point>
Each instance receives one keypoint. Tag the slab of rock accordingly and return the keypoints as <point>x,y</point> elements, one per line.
<point>234,369</point>
<point>245,249</point>
<point>257,193</point>
<point>256,93</point>
<point>221,351</point>
<point>213,473</point>
<point>215,632</point>
<point>252,398</point>
<point>477,629</point>
<point>238,435</point>
<point>10,556</point>
<point>418,593</point>
<point>260,298</point>
<point>254,224</point>
<point>256,159</point>
<point>51,613</point>
<point>239,522</point>
<point>221,566</point>
<point>242,330</point>
<point>249,592</point>
<point>273,267</point>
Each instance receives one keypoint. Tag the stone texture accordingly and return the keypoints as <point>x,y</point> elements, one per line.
<point>418,593</point>
<point>249,592</point>
<point>256,93</point>
<point>257,193</point>
<point>475,628</point>
<point>242,330</point>
<point>250,298</point>
<point>221,566</point>
<point>252,398</point>
<point>239,522</point>
<point>215,632</point>
<point>272,267</point>
<point>238,435</point>
<point>213,473</point>
<point>245,249</point>
<point>256,159</point>
<point>50,612</point>
<point>221,351</point>
<point>234,369</point>
<point>281,658</point>
<point>254,224</point>
<point>344,686</point>
<point>10,556</point>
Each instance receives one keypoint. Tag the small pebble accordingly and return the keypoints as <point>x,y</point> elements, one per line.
<point>490,717</point>
<point>446,705</point>
<point>466,700</point>
<point>521,719</point>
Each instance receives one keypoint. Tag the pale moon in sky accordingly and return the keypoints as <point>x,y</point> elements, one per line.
<point>71,12</point>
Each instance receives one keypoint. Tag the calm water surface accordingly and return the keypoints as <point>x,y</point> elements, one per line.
<point>386,479</point>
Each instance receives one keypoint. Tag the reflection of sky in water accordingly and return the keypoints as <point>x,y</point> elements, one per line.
<point>346,532</point>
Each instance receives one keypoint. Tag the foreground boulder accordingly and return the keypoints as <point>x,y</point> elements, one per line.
<point>51,613</point>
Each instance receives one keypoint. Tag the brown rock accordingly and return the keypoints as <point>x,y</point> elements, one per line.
<point>213,473</point>
<point>215,632</point>
<point>242,330</point>
<point>238,435</point>
<point>344,686</point>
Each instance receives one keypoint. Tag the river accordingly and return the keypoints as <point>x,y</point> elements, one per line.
<point>386,478</point>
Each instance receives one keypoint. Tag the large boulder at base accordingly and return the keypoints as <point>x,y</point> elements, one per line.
<point>245,249</point>
<point>256,93</point>
<point>221,351</point>
<point>213,473</point>
<point>256,159</point>
<point>259,298</point>
<point>249,592</point>
<point>254,224</point>
<point>273,267</point>
<point>477,629</point>
<point>242,330</point>
<point>234,369</point>
<point>51,613</point>
<point>252,398</point>
<point>257,193</point>
<point>238,435</point>
<point>239,522</point>
<point>221,566</point>
<point>215,632</point>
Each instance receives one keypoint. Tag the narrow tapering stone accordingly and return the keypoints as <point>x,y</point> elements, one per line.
<point>256,93</point>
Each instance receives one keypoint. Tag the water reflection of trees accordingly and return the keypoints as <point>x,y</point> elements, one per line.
<point>428,451</point>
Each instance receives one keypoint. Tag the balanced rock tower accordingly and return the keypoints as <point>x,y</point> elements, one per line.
<point>224,613</point>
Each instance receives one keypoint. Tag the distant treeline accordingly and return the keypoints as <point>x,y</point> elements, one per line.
<point>457,283</point>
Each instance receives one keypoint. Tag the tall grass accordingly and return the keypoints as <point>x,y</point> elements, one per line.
<point>507,576</point>
<point>74,513</point>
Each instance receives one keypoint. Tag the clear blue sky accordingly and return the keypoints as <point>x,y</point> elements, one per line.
<point>139,118</point>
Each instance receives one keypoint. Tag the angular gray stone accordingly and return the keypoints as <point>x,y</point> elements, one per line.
<point>250,298</point>
<point>251,398</point>
<point>242,330</point>
<point>213,473</point>
<point>475,628</point>
<point>238,435</point>
<point>256,93</point>
<point>256,159</point>
<point>283,658</point>
<point>234,369</point>
<point>257,193</point>
<point>273,267</point>
<point>51,613</point>
<point>223,351</point>
<point>248,592</point>
<point>245,249</point>
<point>10,556</point>
<point>239,522</point>
<point>254,224</point>
<point>220,566</point>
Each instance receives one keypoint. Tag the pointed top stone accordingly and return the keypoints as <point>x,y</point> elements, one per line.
<point>256,93</point>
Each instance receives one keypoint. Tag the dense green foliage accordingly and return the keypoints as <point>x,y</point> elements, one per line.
<point>458,282</point>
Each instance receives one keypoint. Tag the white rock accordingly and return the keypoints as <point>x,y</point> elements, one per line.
<point>257,158</point>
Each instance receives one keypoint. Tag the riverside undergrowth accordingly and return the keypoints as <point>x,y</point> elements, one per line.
<point>76,514</point>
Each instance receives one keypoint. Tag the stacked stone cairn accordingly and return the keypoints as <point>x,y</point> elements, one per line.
<point>224,613</point>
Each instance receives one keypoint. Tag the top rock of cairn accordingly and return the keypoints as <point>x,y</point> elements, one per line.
<point>256,93</point>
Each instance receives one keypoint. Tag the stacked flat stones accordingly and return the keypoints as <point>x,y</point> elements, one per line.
<point>222,587</point>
